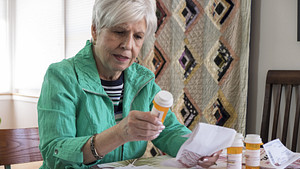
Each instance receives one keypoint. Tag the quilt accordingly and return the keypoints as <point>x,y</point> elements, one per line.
<point>200,53</point>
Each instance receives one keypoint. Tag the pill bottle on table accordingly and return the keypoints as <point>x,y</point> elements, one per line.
<point>252,154</point>
<point>235,153</point>
<point>163,100</point>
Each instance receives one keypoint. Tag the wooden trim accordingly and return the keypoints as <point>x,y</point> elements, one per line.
<point>18,97</point>
<point>18,94</point>
<point>23,95</point>
<point>5,94</point>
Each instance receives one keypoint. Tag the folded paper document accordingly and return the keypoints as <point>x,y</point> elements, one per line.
<point>279,155</point>
<point>205,140</point>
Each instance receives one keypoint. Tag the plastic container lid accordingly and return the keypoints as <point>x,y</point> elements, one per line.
<point>164,98</point>
<point>253,139</point>
<point>239,136</point>
<point>238,140</point>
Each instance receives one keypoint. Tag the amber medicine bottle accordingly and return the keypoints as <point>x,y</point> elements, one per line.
<point>252,154</point>
<point>163,100</point>
<point>235,153</point>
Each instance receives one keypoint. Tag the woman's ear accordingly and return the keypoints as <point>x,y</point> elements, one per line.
<point>94,33</point>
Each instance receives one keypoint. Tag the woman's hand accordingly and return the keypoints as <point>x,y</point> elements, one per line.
<point>191,159</point>
<point>206,162</point>
<point>140,126</point>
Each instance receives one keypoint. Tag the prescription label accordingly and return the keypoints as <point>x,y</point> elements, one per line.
<point>157,113</point>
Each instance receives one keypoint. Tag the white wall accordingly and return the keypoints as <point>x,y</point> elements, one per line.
<point>273,46</point>
<point>6,115</point>
<point>18,112</point>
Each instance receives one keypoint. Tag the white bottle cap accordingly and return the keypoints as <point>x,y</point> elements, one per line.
<point>239,136</point>
<point>253,139</point>
<point>238,140</point>
<point>164,98</point>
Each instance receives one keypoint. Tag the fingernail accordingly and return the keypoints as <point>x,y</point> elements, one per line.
<point>162,127</point>
<point>215,154</point>
<point>159,122</point>
<point>159,131</point>
<point>205,159</point>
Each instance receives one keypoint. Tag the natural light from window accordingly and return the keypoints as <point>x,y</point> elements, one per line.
<point>39,41</point>
<point>35,34</point>
<point>5,69</point>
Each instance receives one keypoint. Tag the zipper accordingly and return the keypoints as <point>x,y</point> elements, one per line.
<point>122,151</point>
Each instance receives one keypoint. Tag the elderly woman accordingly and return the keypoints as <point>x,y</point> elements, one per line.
<point>95,107</point>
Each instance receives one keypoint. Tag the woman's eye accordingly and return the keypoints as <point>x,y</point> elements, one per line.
<point>119,32</point>
<point>138,37</point>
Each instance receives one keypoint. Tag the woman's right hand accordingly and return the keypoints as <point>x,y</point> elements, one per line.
<point>139,126</point>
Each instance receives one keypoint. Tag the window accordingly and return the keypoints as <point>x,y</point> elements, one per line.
<point>36,33</point>
<point>39,41</point>
<point>5,64</point>
<point>78,25</point>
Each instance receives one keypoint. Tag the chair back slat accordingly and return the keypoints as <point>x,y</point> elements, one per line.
<point>282,124</point>
<point>19,146</point>
<point>276,111</point>
<point>286,113</point>
<point>266,114</point>
<point>296,123</point>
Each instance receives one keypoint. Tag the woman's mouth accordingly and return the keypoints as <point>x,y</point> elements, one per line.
<point>121,58</point>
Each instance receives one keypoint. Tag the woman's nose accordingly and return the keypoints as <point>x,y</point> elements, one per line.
<point>127,42</point>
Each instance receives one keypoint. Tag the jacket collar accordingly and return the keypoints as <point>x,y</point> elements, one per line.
<point>135,77</point>
<point>86,69</point>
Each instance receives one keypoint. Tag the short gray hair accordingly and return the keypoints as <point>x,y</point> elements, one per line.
<point>109,13</point>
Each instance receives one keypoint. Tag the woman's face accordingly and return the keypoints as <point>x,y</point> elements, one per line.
<point>116,48</point>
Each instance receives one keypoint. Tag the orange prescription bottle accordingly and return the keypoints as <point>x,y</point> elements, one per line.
<point>163,100</point>
<point>235,153</point>
<point>252,154</point>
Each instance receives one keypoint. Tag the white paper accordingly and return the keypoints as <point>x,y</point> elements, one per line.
<point>205,140</point>
<point>278,155</point>
<point>130,166</point>
<point>172,163</point>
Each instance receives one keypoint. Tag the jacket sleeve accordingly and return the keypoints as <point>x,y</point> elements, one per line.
<point>59,145</point>
<point>170,139</point>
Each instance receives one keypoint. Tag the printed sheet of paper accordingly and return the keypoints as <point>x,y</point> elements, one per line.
<point>205,140</point>
<point>278,155</point>
<point>130,166</point>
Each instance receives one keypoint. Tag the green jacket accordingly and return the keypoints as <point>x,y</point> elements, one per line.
<point>73,106</point>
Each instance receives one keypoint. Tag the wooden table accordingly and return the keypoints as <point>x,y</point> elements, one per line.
<point>156,162</point>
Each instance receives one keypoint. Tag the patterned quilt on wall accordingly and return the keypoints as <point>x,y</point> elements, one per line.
<point>200,55</point>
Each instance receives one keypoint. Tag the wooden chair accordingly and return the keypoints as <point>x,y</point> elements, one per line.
<point>19,146</point>
<point>276,82</point>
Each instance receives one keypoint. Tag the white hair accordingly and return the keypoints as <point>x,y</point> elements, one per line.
<point>109,13</point>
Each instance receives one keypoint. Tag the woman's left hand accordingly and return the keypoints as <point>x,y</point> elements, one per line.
<point>206,162</point>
